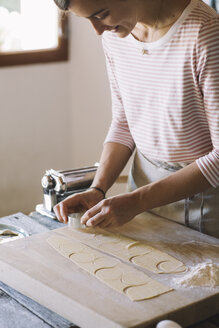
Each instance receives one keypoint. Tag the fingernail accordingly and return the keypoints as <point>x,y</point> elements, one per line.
<point>89,223</point>
<point>83,221</point>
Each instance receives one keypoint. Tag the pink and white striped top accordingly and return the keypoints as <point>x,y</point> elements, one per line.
<point>166,102</point>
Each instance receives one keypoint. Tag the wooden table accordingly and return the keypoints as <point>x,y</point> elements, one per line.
<point>58,284</point>
<point>17,310</point>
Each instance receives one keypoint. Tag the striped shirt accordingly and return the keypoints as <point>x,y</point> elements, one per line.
<point>165,102</point>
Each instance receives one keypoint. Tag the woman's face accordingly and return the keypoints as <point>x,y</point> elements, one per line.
<point>118,16</point>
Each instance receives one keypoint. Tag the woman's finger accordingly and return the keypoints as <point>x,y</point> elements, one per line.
<point>96,220</point>
<point>56,210</point>
<point>70,205</point>
<point>64,212</point>
<point>90,213</point>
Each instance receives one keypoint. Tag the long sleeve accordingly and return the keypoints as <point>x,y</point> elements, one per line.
<point>208,79</point>
<point>119,130</point>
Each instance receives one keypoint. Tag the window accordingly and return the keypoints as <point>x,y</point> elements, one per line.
<point>32,31</point>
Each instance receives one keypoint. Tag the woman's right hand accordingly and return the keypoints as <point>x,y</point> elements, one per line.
<point>77,203</point>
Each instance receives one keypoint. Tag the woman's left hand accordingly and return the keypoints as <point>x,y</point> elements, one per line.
<point>111,212</point>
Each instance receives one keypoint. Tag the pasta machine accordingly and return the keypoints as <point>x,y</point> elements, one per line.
<point>57,185</point>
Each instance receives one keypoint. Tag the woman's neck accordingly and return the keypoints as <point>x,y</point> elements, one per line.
<point>157,17</point>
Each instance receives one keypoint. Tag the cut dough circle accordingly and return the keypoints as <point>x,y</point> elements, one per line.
<point>146,291</point>
<point>129,279</point>
<point>105,262</point>
<point>83,257</point>
<point>109,273</point>
<point>120,277</point>
<point>171,267</point>
<point>130,250</point>
<point>138,248</point>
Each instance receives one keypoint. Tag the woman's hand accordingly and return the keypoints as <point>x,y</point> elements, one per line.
<point>111,212</point>
<point>77,203</point>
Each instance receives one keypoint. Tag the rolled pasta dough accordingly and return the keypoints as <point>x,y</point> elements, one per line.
<point>119,276</point>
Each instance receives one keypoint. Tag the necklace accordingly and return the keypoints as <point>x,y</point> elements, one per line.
<point>145,51</point>
<point>165,27</point>
<point>155,28</point>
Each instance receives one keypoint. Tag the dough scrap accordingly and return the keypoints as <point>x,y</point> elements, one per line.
<point>121,277</point>
<point>7,232</point>
<point>7,235</point>
<point>128,249</point>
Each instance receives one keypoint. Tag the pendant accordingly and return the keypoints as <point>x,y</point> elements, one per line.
<point>144,52</point>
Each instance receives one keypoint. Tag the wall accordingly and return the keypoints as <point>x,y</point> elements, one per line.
<point>89,94</point>
<point>34,125</point>
<point>51,116</point>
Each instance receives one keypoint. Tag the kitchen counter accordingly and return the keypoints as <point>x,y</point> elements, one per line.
<point>17,310</point>
<point>20,309</point>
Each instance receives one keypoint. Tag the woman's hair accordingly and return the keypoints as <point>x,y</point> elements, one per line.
<point>62,4</point>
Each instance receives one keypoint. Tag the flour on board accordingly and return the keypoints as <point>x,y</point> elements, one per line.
<point>204,275</point>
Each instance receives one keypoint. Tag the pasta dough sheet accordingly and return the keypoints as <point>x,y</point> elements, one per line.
<point>128,249</point>
<point>119,276</point>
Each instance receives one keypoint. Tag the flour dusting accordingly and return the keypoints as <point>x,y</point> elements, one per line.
<point>203,274</point>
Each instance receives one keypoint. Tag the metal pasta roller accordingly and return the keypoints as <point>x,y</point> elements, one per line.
<point>57,185</point>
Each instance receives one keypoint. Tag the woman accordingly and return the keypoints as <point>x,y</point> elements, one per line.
<point>163,64</point>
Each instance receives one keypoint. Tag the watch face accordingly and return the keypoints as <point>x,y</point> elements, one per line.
<point>213,3</point>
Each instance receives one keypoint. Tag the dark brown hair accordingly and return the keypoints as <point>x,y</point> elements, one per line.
<point>62,4</point>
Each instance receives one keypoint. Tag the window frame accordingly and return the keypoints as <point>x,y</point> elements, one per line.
<point>58,54</point>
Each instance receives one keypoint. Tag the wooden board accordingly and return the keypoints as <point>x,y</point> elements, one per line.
<point>22,309</point>
<point>35,269</point>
